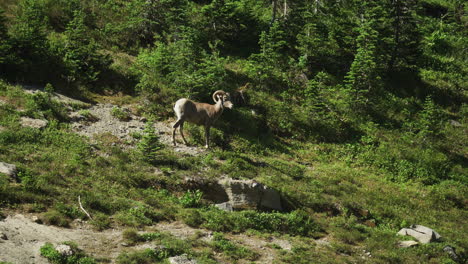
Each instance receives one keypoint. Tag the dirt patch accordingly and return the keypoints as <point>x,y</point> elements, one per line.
<point>25,238</point>
<point>124,130</point>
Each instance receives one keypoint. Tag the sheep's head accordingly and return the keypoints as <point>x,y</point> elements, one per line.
<point>226,98</point>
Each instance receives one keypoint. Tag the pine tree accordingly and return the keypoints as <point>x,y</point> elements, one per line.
<point>363,77</point>
<point>149,144</point>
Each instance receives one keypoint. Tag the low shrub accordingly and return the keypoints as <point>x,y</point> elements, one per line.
<point>54,217</point>
<point>233,251</point>
<point>294,223</point>
<point>79,257</point>
<point>191,198</point>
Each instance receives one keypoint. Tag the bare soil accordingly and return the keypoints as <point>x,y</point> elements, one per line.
<point>24,238</point>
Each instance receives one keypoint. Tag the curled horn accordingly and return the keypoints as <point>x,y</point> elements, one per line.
<point>215,95</point>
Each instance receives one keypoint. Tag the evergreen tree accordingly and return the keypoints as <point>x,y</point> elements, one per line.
<point>81,52</point>
<point>29,42</point>
<point>363,79</point>
<point>4,41</point>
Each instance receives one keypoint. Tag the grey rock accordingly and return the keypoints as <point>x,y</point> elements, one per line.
<point>407,244</point>
<point>64,250</point>
<point>227,206</point>
<point>3,236</point>
<point>451,252</point>
<point>249,194</point>
<point>34,123</point>
<point>76,117</point>
<point>421,233</point>
<point>455,123</point>
<point>182,259</point>
<point>9,169</point>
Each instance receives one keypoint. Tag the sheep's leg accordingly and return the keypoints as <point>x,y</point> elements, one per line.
<point>181,127</point>
<point>177,124</point>
<point>207,136</point>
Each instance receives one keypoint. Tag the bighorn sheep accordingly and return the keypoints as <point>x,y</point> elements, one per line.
<point>200,113</point>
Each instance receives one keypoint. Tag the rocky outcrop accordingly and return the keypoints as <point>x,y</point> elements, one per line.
<point>249,194</point>
<point>423,234</point>
<point>230,194</point>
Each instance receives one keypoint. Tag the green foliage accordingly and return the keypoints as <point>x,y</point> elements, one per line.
<point>137,216</point>
<point>120,114</point>
<point>294,223</point>
<point>79,257</point>
<point>191,198</point>
<point>232,250</point>
<point>54,217</point>
<point>80,53</point>
<point>101,222</point>
<point>180,69</point>
<point>149,144</point>
<point>168,247</point>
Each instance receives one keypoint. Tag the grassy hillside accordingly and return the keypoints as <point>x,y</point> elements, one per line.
<point>355,112</point>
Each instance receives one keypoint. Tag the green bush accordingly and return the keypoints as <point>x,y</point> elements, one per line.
<point>79,257</point>
<point>100,221</point>
<point>120,114</point>
<point>294,223</point>
<point>191,198</point>
<point>54,217</point>
<point>232,250</point>
<point>149,144</point>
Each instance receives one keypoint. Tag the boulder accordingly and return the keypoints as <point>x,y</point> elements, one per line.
<point>249,194</point>
<point>226,206</point>
<point>3,236</point>
<point>34,123</point>
<point>182,259</point>
<point>9,169</point>
<point>421,233</point>
<point>64,250</point>
<point>407,244</point>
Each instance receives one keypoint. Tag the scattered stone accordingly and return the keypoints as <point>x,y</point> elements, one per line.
<point>455,123</point>
<point>421,233</point>
<point>10,170</point>
<point>3,236</point>
<point>64,250</point>
<point>227,206</point>
<point>34,123</point>
<point>182,259</point>
<point>451,252</point>
<point>76,117</point>
<point>36,220</point>
<point>407,244</point>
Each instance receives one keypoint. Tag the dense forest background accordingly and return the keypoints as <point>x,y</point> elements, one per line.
<point>379,85</point>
